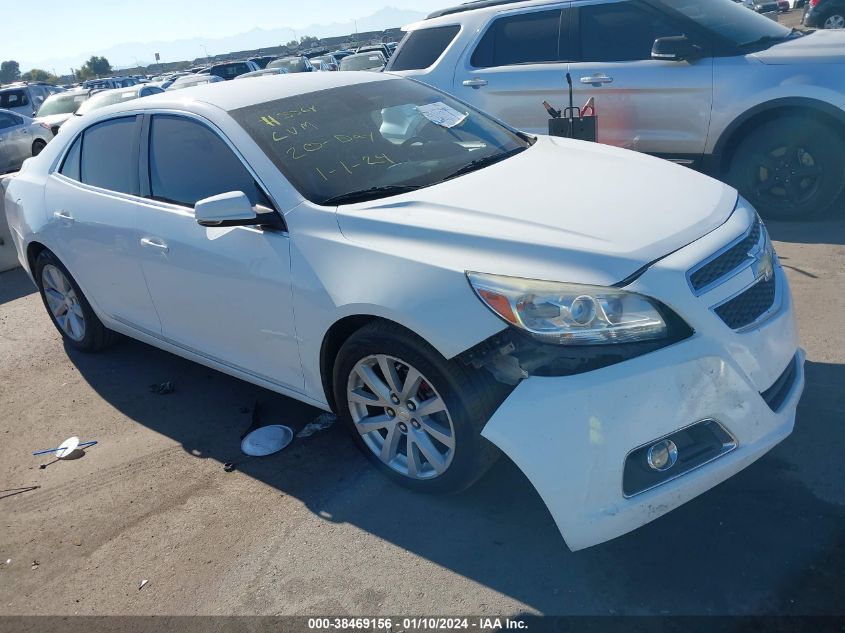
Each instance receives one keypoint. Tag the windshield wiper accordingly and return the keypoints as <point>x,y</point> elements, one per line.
<point>485,161</point>
<point>362,195</point>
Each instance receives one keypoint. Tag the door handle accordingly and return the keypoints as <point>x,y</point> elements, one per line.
<point>154,243</point>
<point>477,82</point>
<point>63,215</point>
<point>598,78</point>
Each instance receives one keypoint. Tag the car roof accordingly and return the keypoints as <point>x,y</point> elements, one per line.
<point>229,95</point>
<point>5,111</point>
<point>74,93</point>
<point>473,5</point>
<point>364,54</point>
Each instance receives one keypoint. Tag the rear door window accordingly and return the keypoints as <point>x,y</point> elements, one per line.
<point>188,162</point>
<point>421,48</point>
<point>7,120</point>
<point>527,38</point>
<point>108,160</point>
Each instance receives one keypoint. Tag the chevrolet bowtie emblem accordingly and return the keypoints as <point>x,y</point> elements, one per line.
<point>763,265</point>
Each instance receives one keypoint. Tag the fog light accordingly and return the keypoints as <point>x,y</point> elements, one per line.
<point>663,455</point>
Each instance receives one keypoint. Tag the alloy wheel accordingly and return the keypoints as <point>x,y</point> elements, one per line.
<point>786,175</point>
<point>835,21</point>
<point>401,417</point>
<point>63,302</point>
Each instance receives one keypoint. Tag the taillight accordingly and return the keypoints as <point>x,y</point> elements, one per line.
<point>813,3</point>
<point>44,125</point>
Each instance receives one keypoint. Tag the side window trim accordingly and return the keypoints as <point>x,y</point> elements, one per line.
<point>59,165</point>
<point>566,9</point>
<point>145,163</point>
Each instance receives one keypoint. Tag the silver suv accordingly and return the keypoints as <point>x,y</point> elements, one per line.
<point>705,83</point>
<point>24,98</point>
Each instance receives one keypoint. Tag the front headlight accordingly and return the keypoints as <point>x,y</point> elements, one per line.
<point>570,314</point>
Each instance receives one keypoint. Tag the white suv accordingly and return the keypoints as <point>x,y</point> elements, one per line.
<point>705,83</point>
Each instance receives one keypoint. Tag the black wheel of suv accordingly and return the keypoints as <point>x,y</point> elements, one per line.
<point>415,415</point>
<point>38,146</point>
<point>792,168</point>
<point>67,306</point>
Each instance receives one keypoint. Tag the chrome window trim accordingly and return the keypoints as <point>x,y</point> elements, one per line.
<point>774,309</point>
<point>172,112</point>
<point>761,244</point>
<point>212,127</point>
<point>726,448</point>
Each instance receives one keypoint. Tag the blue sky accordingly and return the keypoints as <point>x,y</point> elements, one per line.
<point>60,30</point>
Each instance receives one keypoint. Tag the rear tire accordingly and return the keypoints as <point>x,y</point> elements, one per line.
<point>790,168</point>
<point>38,146</point>
<point>67,306</point>
<point>464,399</point>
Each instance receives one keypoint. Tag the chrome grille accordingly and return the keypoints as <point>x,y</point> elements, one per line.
<point>728,261</point>
<point>748,306</point>
<point>751,251</point>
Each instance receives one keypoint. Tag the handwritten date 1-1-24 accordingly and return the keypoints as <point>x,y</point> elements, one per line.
<point>347,167</point>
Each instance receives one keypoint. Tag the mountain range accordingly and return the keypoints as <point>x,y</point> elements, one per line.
<point>131,53</point>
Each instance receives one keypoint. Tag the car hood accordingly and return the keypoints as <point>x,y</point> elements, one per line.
<point>54,119</point>
<point>561,210</point>
<point>818,47</point>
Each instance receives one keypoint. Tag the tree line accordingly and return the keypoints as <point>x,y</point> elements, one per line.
<point>10,71</point>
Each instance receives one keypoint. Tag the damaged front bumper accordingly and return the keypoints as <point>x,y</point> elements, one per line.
<point>571,435</point>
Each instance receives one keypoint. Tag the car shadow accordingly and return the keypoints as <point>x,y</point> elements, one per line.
<point>830,231</point>
<point>15,284</point>
<point>766,541</point>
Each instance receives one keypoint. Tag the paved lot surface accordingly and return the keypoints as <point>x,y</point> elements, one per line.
<point>314,530</point>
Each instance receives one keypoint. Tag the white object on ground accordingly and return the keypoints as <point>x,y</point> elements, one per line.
<point>266,440</point>
<point>67,447</point>
<point>320,424</point>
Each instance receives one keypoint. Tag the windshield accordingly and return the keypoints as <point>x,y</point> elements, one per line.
<point>62,104</point>
<point>362,62</point>
<point>388,134</point>
<point>107,98</point>
<point>729,19</point>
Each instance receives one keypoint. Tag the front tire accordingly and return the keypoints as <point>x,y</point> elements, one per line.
<point>790,168</point>
<point>415,415</point>
<point>67,306</point>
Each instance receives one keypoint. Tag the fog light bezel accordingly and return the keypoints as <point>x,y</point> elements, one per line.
<point>690,457</point>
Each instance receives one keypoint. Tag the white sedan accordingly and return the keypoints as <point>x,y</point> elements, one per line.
<point>617,325</point>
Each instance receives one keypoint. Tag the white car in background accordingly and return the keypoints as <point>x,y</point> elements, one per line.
<point>369,245</point>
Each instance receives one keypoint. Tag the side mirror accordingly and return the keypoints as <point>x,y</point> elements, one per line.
<point>675,49</point>
<point>226,209</point>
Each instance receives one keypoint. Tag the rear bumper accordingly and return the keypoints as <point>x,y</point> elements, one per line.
<point>571,435</point>
<point>812,18</point>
